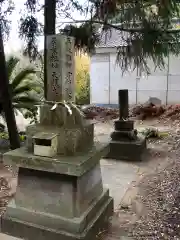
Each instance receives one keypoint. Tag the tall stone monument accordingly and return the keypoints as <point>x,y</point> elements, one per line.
<point>60,194</point>
<point>125,144</point>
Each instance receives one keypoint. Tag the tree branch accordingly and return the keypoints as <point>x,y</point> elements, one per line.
<point>120,28</point>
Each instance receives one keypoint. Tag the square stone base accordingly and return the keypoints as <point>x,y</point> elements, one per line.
<point>127,150</point>
<point>20,222</point>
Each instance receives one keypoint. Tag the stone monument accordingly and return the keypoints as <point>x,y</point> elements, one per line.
<point>60,194</point>
<point>125,144</point>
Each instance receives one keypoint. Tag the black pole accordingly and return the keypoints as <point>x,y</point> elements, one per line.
<point>49,29</point>
<point>123,104</point>
<point>6,99</point>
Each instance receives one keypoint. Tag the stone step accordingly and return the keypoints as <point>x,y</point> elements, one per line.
<point>7,237</point>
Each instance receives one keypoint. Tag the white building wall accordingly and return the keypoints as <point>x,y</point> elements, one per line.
<point>154,85</point>
<point>173,88</point>
<point>107,79</point>
<point>121,81</point>
<point>100,79</point>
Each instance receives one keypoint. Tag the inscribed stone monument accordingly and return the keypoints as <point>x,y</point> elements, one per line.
<point>60,68</point>
<point>60,194</point>
<point>125,144</point>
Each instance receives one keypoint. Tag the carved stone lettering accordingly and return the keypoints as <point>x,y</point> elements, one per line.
<point>60,68</point>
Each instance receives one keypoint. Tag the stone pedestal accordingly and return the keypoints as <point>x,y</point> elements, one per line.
<point>58,198</point>
<point>125,144</point>
<point>60,195</point>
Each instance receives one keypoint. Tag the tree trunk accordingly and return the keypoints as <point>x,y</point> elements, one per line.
<point>6,99</point>
<point>49,29</point>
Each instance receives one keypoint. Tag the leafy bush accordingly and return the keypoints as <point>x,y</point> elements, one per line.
<point>153,133</point>
<point>4,135</point>
<point>83,88</point>
<point>82,80</point>
<point>24,86</point>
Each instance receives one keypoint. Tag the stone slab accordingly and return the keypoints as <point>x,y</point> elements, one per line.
<point>132,150</point>
<point>70,165</point>
<point>31,231</point>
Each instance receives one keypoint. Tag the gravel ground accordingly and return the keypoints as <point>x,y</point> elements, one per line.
<point>150,207</point>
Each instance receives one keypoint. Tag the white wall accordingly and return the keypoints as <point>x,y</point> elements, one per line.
<point>119,81</point>
<point>100,79</point>
<point>106,74</point>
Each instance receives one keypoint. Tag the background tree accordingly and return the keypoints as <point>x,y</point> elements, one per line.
<point>30,28</point>
<point>146,27</point>
<point>5,96</point>
<point>24,87</point>
<point>49,29</point>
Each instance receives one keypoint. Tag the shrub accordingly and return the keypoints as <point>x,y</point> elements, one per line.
<point>83,88</point>
<point>82,80</point>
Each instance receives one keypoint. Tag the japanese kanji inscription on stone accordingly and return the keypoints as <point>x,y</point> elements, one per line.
<point>60,68</point>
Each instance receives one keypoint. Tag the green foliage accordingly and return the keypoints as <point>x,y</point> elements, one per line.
<point>82,87</point>
<point>153,133</point>
<point>145,27</point>
<point>24,87</point>
<point>85,36</point>
<point>6,9</point>
<point>4,135</point>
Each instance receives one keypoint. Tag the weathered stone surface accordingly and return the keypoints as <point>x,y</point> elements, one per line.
<point>64,195</point>
<point>127,150</point>
<point>125,143</point>
<point>44,219</point>
<point>121,125</point>
<point>50,205</point>
<point>71,140</point>
<point>124,135</point>
<point>123,104</point>
<point>92,224</point>
<point>70,165</point>
<point>59,116</point>
<point>56,117</point>
<point>60,68</point>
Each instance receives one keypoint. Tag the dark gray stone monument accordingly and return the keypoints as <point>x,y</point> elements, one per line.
<point>60,194</point>
<point>125,144</point>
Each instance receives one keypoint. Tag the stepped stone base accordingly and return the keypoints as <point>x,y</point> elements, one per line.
<point>20,222</point>
<point>127,150</point>
<point>121,125</point>
<point>58,198</point>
